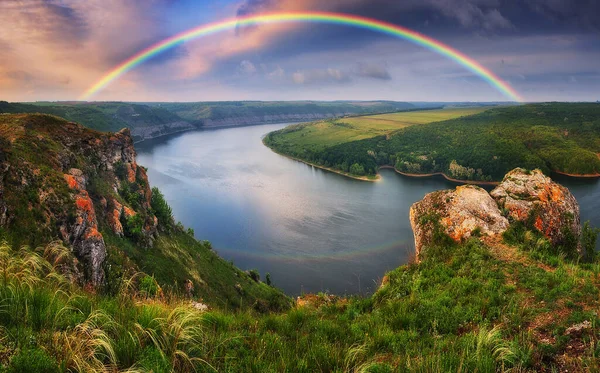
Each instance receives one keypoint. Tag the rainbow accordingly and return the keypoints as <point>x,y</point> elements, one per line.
<point>316,17</point>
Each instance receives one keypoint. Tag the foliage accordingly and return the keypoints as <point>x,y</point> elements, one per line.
<point>485,146</point>
<point>148,286</point>
<point>459,309</point>
<point>162,210</point>
<point>589,236</point>
<point>254,275</point>
<point>33,361</point>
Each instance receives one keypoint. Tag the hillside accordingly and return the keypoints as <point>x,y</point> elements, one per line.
<point>235,113</point>
<point>501,296</point>
<point>144,122</point>
<point>151,120</point>
<point>558,137</point>
<point>61,181</point>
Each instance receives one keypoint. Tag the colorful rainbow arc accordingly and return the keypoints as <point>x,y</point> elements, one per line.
<point>331,18</point>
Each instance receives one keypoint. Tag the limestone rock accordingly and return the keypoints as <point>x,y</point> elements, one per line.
<point>88,243</point>
<point>532,195</point>
<point>460,213</point>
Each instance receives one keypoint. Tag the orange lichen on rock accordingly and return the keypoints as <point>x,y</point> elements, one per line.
<point>70,181</point>
<point>539,224</point>
<point>92,232</point>
<point>523,193</point>
<point>131,169</point>
<point>128,212</point>
<point>460,212</point>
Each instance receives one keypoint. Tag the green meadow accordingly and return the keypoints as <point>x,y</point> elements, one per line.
<point>326,133</point>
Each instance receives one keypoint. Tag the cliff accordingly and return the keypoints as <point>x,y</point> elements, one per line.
<point>527,197</point>
<point>62,181</point>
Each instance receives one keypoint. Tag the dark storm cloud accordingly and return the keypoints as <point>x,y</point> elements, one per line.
<point>476,15</point>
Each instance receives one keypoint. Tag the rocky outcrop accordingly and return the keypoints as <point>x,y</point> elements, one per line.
<point>526,196</point>
<point>141,133</point>
<point>532,196</point>
<point>460,213</point>
<point>59,179</point>
<point>87,242</point>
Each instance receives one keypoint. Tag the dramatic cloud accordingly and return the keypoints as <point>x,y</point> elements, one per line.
<point>55,49</point>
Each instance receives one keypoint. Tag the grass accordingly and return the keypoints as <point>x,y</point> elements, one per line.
<point>320,135</point>
<point>463,308</point>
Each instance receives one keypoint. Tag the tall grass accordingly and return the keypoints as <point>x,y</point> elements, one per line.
<point>455,311</point>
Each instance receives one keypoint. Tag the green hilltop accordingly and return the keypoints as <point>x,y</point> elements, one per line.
<point>554,137</point>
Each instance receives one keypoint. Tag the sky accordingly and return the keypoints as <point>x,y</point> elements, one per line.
<point>54,50</point>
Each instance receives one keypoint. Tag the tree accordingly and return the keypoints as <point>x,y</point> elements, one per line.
<point>268,278</point>
<point>589,236</point>
<point>161,209</point>
<point>357,169</point>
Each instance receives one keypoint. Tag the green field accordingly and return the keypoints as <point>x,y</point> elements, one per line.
<point>466,144</point>
<point>323,134</point>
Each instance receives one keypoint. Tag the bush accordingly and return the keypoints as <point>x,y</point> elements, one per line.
<point>161,209</point>
<point>33,361</point>
<point>589,237</point>
<point>254,275</point>
<point>149,286</point>
<point>133,227</point>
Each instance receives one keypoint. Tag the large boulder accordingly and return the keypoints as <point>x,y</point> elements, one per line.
<point>530,196</point>
<point>460,213</point>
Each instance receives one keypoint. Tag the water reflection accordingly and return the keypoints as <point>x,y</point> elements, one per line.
<point>311,229</point>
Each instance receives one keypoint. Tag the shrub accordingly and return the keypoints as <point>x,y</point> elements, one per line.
<point>33,361</point>
<point>589,237</point>
<point>148,286</point>
<point>254,275</point>
<point>161,209</point>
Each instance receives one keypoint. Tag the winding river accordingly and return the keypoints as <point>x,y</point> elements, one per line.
<point>312,230</point>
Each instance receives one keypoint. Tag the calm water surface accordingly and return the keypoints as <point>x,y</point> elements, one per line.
<point>311,229</point>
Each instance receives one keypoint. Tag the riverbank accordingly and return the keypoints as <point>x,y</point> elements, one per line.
<point>361,178</point>
<point>578,176</point>
<point>459,181</point>
<point>378,177</point>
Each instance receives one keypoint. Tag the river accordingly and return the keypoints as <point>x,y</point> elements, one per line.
<point>312,230</point>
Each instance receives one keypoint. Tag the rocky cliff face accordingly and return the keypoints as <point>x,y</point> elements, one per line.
<point>551,207</point>
<point>460,213</point>
<point>529,197</point>
<point>61,180</point>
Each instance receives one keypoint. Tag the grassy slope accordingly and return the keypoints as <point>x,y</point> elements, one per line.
<point>108,117</point>
<point>34,144</point>
<point>466,307</point>
<point>558,137</point>
<point>323,134</point>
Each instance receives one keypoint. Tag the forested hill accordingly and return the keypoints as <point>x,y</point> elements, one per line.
<point>559,137</point>
<point>216,114</point>
<point>150,120</point>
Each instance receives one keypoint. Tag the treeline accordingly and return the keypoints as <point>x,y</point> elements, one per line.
<point>552,137</point>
